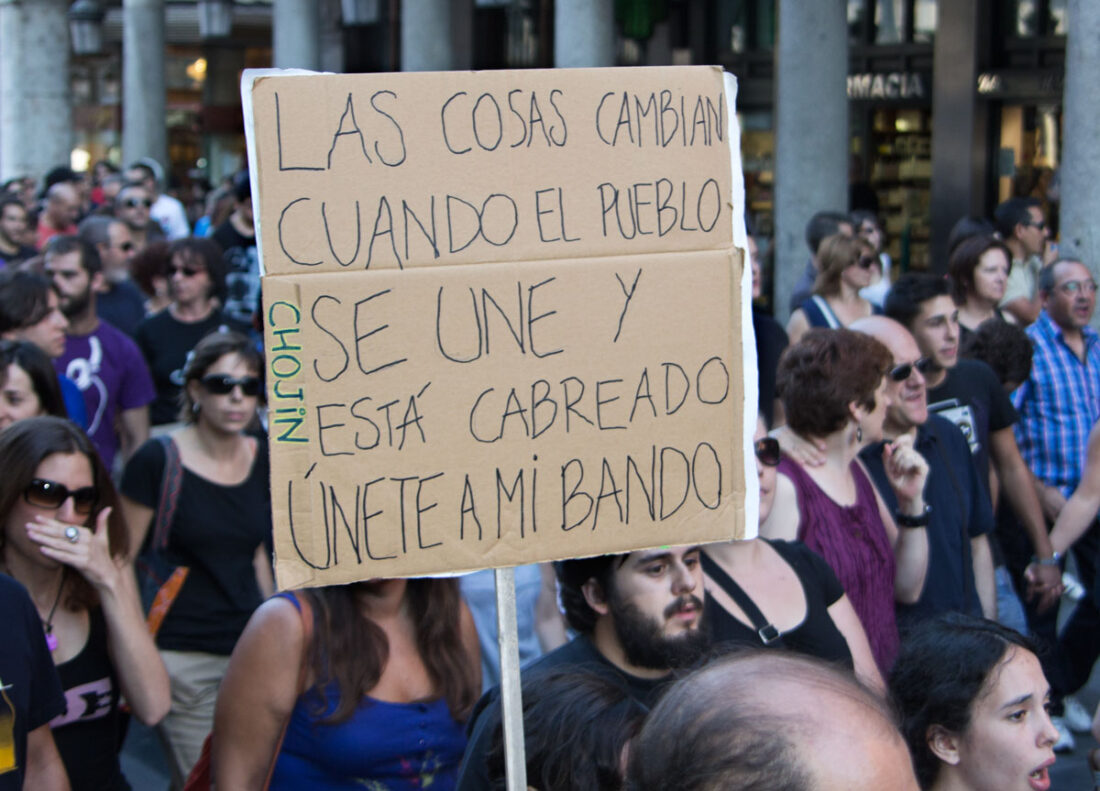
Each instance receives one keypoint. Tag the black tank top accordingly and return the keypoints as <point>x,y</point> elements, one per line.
<point>89,734</point>
<point>817,635</point>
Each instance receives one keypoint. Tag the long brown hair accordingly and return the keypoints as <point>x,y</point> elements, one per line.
<point>352,650</point>
<point>837,253</point>
<point>23,446</point>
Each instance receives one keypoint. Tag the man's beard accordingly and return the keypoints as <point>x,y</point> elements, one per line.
<point>645,645</point>
<point>74,307</point>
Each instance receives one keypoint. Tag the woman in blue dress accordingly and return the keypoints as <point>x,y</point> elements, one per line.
<point>392,671</point>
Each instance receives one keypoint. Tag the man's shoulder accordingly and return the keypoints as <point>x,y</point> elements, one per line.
<point>128,289</point>
<point>970,377</point>
<point>115,342</point>
<point>13,594</point>
<point>943,430</point>
<point>578,651</point>
<point>156,322</point>
<point>165,200</point>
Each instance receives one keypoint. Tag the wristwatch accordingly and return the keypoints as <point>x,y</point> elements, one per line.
<point>921,520</point>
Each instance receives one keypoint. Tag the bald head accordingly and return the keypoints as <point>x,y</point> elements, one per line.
<point>62,205</point>
<point>769,719</point>
<point>908,396</point>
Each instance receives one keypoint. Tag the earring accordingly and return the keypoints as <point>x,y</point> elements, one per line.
<point>195,408</point>
<point>859,433</point>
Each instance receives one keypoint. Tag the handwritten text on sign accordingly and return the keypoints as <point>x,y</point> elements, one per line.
<point>556,372</point>
<point>413,169</point>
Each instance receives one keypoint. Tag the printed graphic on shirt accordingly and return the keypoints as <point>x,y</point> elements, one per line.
<point>85,372</point>
<point>242,283</point>
<point>85,702</point>
<point>7,730</point>
<point>962,416</point>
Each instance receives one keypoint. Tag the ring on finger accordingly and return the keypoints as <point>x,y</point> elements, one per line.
<point>72,534</point>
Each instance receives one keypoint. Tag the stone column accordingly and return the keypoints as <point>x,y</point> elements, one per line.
<point>584,33</point>
<point>221,94</point>
<point>426,36</point>
<point>36,121</point>
<point>1080,171</point>
<point>144,128</point>
<point>811,130</point>
<point>958,123</point>
<point>330,36</point>
<point>296,35</point>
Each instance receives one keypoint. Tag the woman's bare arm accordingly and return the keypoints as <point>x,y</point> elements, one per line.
<point>257,695</point>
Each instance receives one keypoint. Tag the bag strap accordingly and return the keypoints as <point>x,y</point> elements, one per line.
<point>826,312</point>
<point>765,630</point>
<point>171,482</point>
<point>305,611</point>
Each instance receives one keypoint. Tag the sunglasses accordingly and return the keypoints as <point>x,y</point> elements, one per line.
<point>1041,225</point>
<point>185,270</point>
<point>899,373</point>
<point>221,384</point>
<point>133,203</point>
<point>866,262</point>
<point>767,451</point>
<point>50,494</point>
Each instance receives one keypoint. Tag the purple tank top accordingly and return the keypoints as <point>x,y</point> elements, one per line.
<point>853,541</point>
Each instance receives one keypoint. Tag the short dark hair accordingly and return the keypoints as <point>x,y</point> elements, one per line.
<point>909,292</point>
<point>944,665</point>
<point>24,299</point>
<point>1047,275</point>
<point>206,253</point>
<point>71,243</point>
<point>822,224</point>
<point>575,725</point>
<point>860,216</point>
<point>38,367</point>
<point>242,186</point>
<point>96,229</point>
<point>11,200</point>
<point>145,168</point>
<point>1003,347</point>
<point>572,576</point>
<point>1013,212</point>
<point>824,372</point>
<point>966,227</point>
<point>207,352</point>
<point>62,174</point>
<point>965,258</point>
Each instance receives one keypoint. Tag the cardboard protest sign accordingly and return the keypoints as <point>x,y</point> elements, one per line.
<point>503,316</point>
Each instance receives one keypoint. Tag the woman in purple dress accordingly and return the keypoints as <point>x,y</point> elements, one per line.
<point>834,388</point>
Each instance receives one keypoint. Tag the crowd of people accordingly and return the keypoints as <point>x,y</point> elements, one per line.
<point>927,451</point>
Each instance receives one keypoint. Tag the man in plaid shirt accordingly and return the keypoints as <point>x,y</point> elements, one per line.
<point>1058,405</point>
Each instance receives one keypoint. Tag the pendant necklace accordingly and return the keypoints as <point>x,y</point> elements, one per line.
<point>47,624</point>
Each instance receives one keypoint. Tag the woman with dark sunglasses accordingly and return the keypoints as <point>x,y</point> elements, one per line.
<point>780,593</point>
<point>835,391</point>
<point>196,278</point>
<point>63,538</point>
<point>220,530</point>
<point>848,264</point>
